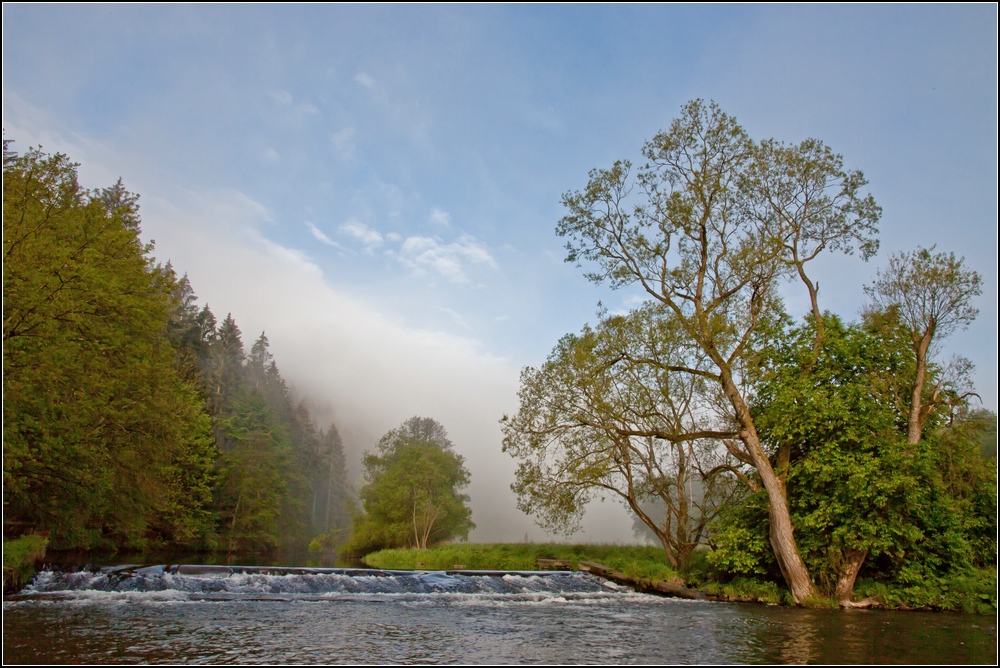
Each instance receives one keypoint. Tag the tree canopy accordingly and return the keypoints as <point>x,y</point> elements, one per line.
<point>411,496</point>
<point>105,441</point>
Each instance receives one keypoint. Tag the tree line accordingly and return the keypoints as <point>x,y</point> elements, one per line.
<point>132,417</point>
<point>806,452</point>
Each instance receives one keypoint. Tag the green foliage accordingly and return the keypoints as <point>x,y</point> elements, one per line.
<point>918,514</point>
<point>105,440</point>
<point>411,496</point>
<point>964,590</point>
<point>20,556</point>
<point>739,540</point>
<point>132,418</point>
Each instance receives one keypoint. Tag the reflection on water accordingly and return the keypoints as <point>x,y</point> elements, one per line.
<point>158,616</point>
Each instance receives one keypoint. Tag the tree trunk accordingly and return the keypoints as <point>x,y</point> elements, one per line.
<point>813,289</point>
<point>853,559</point>
<point>786,552</point>
<point>914,425</point>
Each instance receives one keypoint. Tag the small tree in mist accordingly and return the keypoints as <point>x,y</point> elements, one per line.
<point>411,497</point>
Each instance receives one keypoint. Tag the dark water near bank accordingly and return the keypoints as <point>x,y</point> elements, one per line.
<point>158,616</point>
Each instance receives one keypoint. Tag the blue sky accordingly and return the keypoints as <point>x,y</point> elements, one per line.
<point>378,187</point>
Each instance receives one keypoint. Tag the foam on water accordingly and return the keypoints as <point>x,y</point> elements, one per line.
<point>171,584</point>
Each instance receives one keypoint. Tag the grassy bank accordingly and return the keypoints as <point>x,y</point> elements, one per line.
<point>19,559</point>
<point>635,561</point>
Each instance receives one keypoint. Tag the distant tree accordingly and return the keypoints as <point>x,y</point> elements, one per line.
<point>411,496</point>
<point>331,502</point>
<point>933,294</point>
<point>427,430</point>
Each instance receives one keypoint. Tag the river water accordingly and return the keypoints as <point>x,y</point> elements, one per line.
<point>167,615</point>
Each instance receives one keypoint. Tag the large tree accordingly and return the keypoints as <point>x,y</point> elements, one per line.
<point>709,228</point>
<point>864,502</point>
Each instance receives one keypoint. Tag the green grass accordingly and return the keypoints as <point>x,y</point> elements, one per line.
<point>19,558</point>
<point>743,589</point>
<point>634,561</point>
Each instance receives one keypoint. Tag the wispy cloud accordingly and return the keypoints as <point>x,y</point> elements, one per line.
<point>318,233</point>
<point>358,230</point>
<point>285,100</point>
<point>440,217</point>
<point>365,80</point>
<point>456,317</point>
<point>426,254</point>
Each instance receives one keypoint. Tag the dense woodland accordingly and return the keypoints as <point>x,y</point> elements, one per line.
<point>133,418</point>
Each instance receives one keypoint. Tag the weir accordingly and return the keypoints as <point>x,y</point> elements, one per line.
<point>206,582</point>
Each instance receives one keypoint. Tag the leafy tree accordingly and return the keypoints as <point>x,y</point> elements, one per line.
<point>709,227</point>
<point>411,496</point>
<point>932,293</point>
<point>859,495</point>
<point>847,476</point>
<point>606,414</point>
<point>106,442</point>
<point>804,199</point>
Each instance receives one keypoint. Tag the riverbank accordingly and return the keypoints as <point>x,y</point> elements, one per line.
<point>20,559</point>
<point>633,561</point>
<point>644,568</point>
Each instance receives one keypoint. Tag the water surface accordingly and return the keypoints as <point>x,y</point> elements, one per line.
<point>156,616</point>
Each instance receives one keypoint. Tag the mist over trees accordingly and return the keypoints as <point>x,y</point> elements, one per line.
<point>132,417</point>
<point>819,451</point>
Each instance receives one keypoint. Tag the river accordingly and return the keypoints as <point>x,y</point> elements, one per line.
<point>162,615</point>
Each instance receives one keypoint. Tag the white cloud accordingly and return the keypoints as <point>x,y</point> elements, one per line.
<point>392,236</point>
<point>270,155</point>
<point>426,254</point>
<point>440,217</point>
<point>343,143</point>
<point>364,80</point>
<point>456,317</point>
<point>362,233</point>
<point>318,233</point>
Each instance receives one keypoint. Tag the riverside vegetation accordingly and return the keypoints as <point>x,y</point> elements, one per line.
<point>972,592</point>
<point>133,419</point>
<point>772,459</point>
<point>835,458</point>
